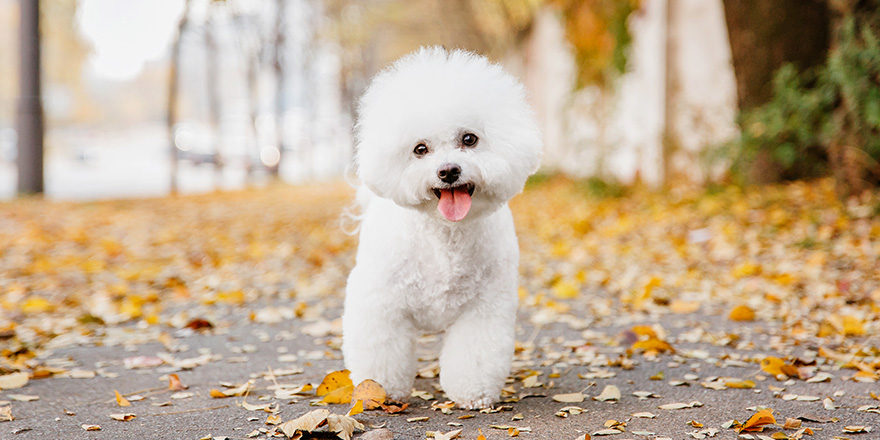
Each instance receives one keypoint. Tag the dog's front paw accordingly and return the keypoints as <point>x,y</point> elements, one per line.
<point>475,404</point>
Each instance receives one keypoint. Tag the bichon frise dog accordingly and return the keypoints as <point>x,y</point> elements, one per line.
<point>444,140</point>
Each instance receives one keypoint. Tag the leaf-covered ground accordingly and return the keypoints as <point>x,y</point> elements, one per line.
<point>639,315</point>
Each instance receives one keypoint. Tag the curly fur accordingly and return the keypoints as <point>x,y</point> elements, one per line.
<point>417,271</point>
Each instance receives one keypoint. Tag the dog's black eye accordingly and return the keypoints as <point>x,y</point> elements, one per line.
<point>420,150</point>
<point>469,140</point>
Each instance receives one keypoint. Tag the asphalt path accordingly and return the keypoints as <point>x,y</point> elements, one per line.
<point>572,353</point>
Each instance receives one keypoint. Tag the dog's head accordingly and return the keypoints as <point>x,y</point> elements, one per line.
<point>448,133</point>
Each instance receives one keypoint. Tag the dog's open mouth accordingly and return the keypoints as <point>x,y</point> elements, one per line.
<point>455,202</point>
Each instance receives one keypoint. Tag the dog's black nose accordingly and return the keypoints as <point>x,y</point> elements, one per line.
<point>449,172</point>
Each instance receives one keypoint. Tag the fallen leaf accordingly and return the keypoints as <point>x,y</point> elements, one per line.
<point>13,380</point>
<point>6,414</point>
<point>694,404</point>
<point>174,383</point>
<point>307,422</point>
<point>333,381</point>
<point>199,325</point>
<point>791,423</point>
<point>741,384</point>
<point>856,429</point>
<point>775,366</point>
<point>610,392</point>
<point>742,313</point>
<point>758,420</point>
<point>86,427</point>
<point>123,417</point>
<point>394,408</point>
<point>569,398</point>
<point>644,415</point>
<point>23,397</point>
<point>370,393</point>
<point>121,401</point>
<point>356,409</point>
<point>437,435</point>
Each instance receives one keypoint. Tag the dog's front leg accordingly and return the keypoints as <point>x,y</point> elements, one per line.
<point>477,353</point>
<point>378,345</point>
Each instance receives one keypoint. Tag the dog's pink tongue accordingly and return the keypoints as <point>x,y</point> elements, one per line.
<point>454,203</point>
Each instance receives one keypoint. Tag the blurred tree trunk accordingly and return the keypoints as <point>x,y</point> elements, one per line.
<point>280,67</point>
<point>765,35</point>
<point>30,108</point>
<point>212,66</point>
<point>173,92</point>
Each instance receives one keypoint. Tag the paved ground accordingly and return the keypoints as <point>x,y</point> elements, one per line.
<point>245,350</point>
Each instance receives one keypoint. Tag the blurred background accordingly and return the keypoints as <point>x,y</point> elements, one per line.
<point>145,98</point>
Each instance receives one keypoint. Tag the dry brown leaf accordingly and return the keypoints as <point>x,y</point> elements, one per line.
<point>13,380</point>
<point>791,423</point>
<point>306,422</point>
<point>343,426</point>
<point>394,408</point>
<point>610,392</point>
<point>569,398</point>
<point>23,397</point>
<point>6,414</point>
<point>123,417</point>
<point>370,392</point>
<point>87,427</point>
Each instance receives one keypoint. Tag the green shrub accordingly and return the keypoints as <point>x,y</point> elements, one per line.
<point>820,122</point>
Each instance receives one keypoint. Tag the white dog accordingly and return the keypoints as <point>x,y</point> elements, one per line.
<point>444,140</point>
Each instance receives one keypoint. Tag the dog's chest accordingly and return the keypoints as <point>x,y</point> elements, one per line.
<point>442,277</point>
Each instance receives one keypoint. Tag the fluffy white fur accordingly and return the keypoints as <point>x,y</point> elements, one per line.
<point>416,271</point>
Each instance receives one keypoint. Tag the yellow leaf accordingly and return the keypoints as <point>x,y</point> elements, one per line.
<point>746,269</point>
<point>217,394</point>
<point>758,420</point>
<point>653,345</point>
<point>644,330</point>
<point>775,366</point>
<point>339,395</point>
<point>481,436</point>
<point>121,401</point>
<point>334,380</point>
<point>36,305</point>
<point>853,326</point>
<point>273,419</point>
<point>565,290</point>
<point>741,384</point>
<point>231,297</point>
<point>742,313</point>
<point>370,393</point>
<point>356,409</point>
